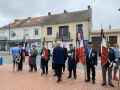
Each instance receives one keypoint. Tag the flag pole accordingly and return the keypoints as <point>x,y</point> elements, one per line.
<point>119,77</point>
<point>85,66</point>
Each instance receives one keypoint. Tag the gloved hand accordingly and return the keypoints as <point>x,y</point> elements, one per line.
<point>95,66</point>
<point>116,59</point>
<point>114,64</point>
<point>111,64</point>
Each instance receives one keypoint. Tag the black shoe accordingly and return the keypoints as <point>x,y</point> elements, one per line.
<point>46,73</point>
<point>93,81</point>
<point>69,77</point>
<point>87,80</point>
<point>111,85</point>
<point>103,84</point>
<point>35,71</point>
<point>30,71</point>
<point>59,80</point>
<point>54,75</point>
<point>75,77</point>
<point>42,74</point>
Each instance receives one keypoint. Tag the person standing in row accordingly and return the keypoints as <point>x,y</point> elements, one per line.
<point>22,59</point>
<point>107,67</point>
<point>117,62</point>
<point>33,56</point>
<point>91,62</point>
<point>65,57</point>
<point>72,62</point>
<point>15,52</point>
<point>45,57</point>
<point>58,58</point>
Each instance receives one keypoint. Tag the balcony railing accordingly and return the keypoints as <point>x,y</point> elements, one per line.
<point>63,37</point>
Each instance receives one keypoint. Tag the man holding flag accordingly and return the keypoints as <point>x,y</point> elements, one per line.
<point>80,49</point>
<point>107,57</point>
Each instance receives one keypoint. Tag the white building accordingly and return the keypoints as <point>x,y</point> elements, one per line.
<point>112,36</point>
<point>21,31</point>
<point>51,28</point>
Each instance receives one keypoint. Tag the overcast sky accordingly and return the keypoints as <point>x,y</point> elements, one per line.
<point>105,12</point>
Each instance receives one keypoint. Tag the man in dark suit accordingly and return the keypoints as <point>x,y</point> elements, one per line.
<point>22,59</point>
<point>91,62</point>
<point>108,67</point>
<point>58,58</point>
<point>34,54</point>
<point>72,62</point>
<point>65,57</point>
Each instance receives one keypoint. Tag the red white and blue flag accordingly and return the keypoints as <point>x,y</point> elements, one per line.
<point>104,49</point>
<point>80,47</point>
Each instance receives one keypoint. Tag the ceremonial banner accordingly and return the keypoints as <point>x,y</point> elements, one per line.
<point>104,49</point>
<point>81,47</point>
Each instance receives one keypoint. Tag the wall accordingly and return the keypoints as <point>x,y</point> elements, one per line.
<point>21,33</point>
<point>72,29</point>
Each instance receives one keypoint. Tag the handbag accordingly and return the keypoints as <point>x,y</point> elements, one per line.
<point>18,58</point>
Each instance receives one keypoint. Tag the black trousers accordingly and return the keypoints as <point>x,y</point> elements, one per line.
<point>33,67</point>
<point>58,70</point>
<point>44,66</point>
<point>20,65</point>
<point>72,70</point>
<point>91,68</point>
<point>63,67</point>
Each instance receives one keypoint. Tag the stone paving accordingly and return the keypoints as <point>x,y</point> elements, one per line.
<point>25,80</point>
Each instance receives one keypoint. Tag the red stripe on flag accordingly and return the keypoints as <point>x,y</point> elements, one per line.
<point>104,55</point>
<point>80,55</point>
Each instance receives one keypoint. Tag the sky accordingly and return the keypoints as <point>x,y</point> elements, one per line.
<point>105,12</point>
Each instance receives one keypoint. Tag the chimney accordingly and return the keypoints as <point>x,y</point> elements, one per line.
<point>29,18</point>
<point>49,13</point>
<point>65,11</point>
<point>16,20</point>
<point>89,7</point>
<point>89,12</point>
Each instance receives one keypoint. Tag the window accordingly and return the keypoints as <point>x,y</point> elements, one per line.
<point>96,40</point>
<point>79,27</point>
<point>36,31</point>
<point>63,32</point>
<point>113,40</point>
<point>49,30</point>
<point>79,31</point>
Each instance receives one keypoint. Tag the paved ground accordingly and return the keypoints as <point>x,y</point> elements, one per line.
<point>33,81</point>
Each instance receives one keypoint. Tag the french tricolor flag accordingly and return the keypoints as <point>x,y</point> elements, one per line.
<point>81,47</point>
<point>104,49</point>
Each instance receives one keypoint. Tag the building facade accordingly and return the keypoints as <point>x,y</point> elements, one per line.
<point>112,37</point>
<point>49,29</point>
<point>3,39</point>
<point>64,27</point>
<point>20,32</point>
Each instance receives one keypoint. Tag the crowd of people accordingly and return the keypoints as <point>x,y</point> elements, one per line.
<point>61,54</point>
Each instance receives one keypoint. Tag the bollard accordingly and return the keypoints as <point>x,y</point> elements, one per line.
<point>1,60</point>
